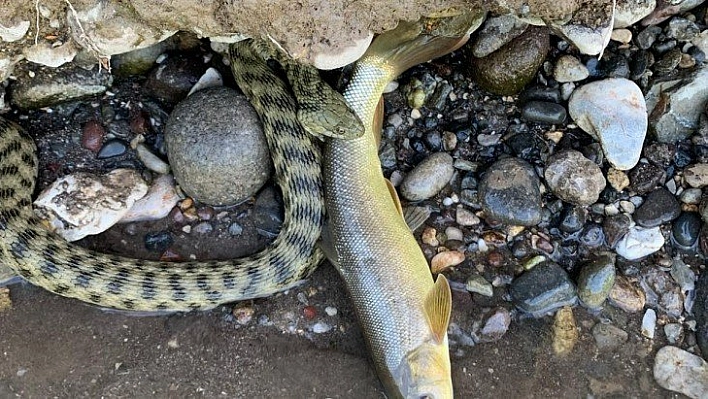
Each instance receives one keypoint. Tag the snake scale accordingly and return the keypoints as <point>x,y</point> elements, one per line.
<point>46,260</point>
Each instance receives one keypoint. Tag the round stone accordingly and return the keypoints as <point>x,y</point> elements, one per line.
<point>570,69</point>
<point>660,207</point>
<point>686,228</point>
<point>216,147</point>
<point>574,178</point>
<point>543,289</point>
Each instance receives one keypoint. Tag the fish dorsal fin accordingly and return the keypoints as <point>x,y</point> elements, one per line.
<point>377,124</point>
<point>438,306</point>
<point>394,196</point>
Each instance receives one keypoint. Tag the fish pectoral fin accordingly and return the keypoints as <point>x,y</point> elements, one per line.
<point>394,196</point>
<point>415,216</point>
<point>438,306</point>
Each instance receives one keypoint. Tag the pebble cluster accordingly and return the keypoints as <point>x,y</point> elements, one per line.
<point>554,179</point>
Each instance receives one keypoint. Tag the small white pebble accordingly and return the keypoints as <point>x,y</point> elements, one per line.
<point>391,87</point>
<point>447,201</point>
<point>415,113</point>
<point>331,311</point>
<point>649,323</point>
<point>187,229</point>
<point>321,328</point>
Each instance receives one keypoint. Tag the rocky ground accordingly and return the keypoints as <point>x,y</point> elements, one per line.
<point>554,181</point>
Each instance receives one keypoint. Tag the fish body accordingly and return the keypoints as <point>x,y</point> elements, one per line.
<point>403,312</point>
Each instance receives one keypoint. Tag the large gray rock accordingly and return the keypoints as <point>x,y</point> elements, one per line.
<point>613,111</point>
<point>675,105</point>
<point>216,147</point>
<point>428,178</point>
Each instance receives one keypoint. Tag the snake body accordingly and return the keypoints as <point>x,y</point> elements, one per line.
<point>46,260</point>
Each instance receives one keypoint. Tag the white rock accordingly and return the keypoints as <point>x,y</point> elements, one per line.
<point>321,327</point>
<point>680,371</point>
<point>569,69</point>
<point>211,78</point>
<point>623,36</point>
<point>613,111</point>
<point>151,161</point>
<point>45,54</point>
<point>82,204</point>
<point>649,323</point>
<point>327,61</point>
<point>628,12</point>
<point>14,33</point>
<point>156,204</point>
<point>640,242</point>
<point>590,41</point>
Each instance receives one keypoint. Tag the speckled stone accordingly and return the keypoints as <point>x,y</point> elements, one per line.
<point>428,178</point>
<point>574,178</point>
<point>509,192</point>
<point>660,207</point>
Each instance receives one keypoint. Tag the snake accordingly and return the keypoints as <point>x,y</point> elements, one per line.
<point>48,261</point>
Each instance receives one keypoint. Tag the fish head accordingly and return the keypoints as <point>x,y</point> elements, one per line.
<point>424,373</point>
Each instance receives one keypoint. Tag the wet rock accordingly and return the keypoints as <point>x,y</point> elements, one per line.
<point>496,32</point>
<point>137,62</point>
<point>686,228</point>
<point>569,69</point>
<point>588,40</point>
<point>615,227</point>
<point>428,178</point>
<point>52,86</point>
<point>158,241</point>
<point>649,323</point>
<point>565,331</point>
<point>478,284</point>
<point>216,147</point>
<point>83,204</point>
<point>700,310</point>
<point>675,105</point>
<point>646,177</point>
<point>509,192</point>
<point>463,217</point>
<point>235,229</point>
<point>626,296</point>
<point>640,242</point>
<point>681,371</point>
<point>444,260</point>
<point>647,37</point>
<point>495,326</point>
<point>112,148</point>
<point>268,212</point>
<point>543,289</point>
<point>682,29</point>
<point>668,62</point>
<point>574,178</point>
<point>507,70</point>
<point>618,179</point>
<point>659,207</point>
<point>175,76</point>
<point>92,135</point>
<point>661,291</point>
<point>573,219</point>
<point>691,196</point>
<point>596,280</point>
<point>696,175</point>
<point>613,112</point>
<point>608,337</point>
<point>543,112</point>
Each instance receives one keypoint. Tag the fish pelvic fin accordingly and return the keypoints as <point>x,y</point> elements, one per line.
<point>438,306</point>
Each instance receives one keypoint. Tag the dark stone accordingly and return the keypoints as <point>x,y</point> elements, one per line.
<point>543,289</point>
<point>646,38</point>
<point>268,212</point>
<point>660,154</point>
<point>507,70</point>
<point>544,112</point>
<point>615,228</point>
<point>686,228</point>
<point>639,64</point>
<point>540,93</point>
<point>112,148</point>
<point>174,77</point>
<point>509,192</point>
<point>700,310</point>
<point>158,241</point>
<point>659,207</point>
<point>525,145</point>
<point>573,219</point>
<point>645,177</point>
<point>592,236</point>
<point>668,62</point>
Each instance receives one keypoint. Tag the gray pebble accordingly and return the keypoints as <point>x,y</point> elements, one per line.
<point>428,178</point>
<point>510,192</point>
<point>574,178</point>
<point>660,207</point>
<point>543,289</point>
<point>543,112</point>
<point>595,280</point>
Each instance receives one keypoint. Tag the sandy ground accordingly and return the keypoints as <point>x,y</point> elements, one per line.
<point>57,347</point>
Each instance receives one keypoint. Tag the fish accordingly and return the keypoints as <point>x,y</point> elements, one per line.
<point>403,311</point>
